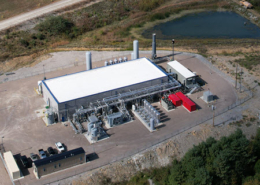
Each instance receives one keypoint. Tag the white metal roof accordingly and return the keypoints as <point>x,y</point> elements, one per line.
<point>181,69</point>
<point>82,84</point>
<point>10,162</point>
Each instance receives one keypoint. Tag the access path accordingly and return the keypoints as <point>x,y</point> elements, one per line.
<point>14,21</point>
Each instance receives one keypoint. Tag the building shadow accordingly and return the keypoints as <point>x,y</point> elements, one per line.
<point>91,157</point>
<point>65,147</point>
<point>24,170</point>
<point>160,126</point>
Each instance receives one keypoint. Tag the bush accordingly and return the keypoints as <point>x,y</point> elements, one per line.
<point>55,26</point>
<point>159,16</point>
<point>148,5</point>
<point>24,43</point>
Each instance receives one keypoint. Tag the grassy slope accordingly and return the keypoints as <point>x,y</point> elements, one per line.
<point>10,8</point>
<point>111,25</point>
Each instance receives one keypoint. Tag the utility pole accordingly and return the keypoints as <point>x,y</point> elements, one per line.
<point>213,119</point>
<point>173,49</point>
<point>236,76</point>
<point>241,79</point>
<point>44,78</point>
<point>2,148</point>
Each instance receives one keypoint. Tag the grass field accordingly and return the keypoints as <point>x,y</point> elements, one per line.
<point>10,8</point>
<point>113,25</point>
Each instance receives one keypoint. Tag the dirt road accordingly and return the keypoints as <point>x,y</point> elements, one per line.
<point>13,21</point>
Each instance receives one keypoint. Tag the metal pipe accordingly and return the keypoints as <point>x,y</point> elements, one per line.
<point>136,49</point>
<point>88,61</point>
<point>154,47</point>
<point>173,49</point>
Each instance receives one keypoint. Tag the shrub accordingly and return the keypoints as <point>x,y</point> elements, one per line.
<point>148,5</point>
<point>24,43</point>
<point>55,26</point>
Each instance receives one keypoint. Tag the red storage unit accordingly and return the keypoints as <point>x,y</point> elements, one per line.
<point>175,100</point>
<point>186,102</point>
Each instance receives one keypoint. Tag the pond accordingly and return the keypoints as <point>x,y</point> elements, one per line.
<point>205,25</point>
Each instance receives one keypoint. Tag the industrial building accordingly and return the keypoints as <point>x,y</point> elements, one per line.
<point>59,162</point>
<point>104,96</point>
<point>12,166</point>
<point>80,89</point>
<point>181,73</point>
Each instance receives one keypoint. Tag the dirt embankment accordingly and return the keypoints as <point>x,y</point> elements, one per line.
<point>157,156</point>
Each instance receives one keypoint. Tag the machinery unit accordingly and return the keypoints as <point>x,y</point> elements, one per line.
<point>175,100</point>
<point>50,116</point>
<point>148,115</point>
<point>167,104</point>
<point>115,119</point>
<point>208,96</point>
<point>183,75</point>
<point>95,129</point>
<point>186,102</point>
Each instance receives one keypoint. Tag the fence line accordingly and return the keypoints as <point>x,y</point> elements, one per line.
<point>126,155</point>
<point>61,67</point>
<point>151,144</point>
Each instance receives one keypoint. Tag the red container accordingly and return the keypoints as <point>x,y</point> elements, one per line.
<point>186,102</point>
<point>175,100</point>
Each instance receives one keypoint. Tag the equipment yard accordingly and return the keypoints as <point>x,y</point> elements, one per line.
<point>25,133</point>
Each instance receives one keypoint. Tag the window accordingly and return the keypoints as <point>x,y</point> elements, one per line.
<point>80,158</point>
<point>59,164</point>
<point>55,166</point>
<point>44,169</point>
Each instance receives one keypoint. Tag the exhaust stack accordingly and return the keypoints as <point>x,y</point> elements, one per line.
<point>154,47</point>
<point>136,49</point>
<point>88,61</point>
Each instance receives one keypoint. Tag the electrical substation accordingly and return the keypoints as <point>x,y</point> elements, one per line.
<point>95,100</point>
<point>108,107</point>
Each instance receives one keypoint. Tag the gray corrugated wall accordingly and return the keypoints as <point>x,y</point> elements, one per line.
<point>83,101</point>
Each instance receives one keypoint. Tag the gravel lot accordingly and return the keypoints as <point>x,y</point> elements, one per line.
<point>24,132</point>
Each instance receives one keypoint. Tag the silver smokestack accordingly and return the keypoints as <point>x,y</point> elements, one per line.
<point>154,47</point>
<point>136,49</point>
<point>88,61</point>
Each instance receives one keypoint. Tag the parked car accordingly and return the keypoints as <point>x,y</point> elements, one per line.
<point>42,154</point>
<point>25,161</point>
<point>51,151</point>
<point>60,147</point>
<point>33,156</point>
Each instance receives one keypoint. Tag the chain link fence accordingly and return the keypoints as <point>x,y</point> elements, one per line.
<point>92,166</point>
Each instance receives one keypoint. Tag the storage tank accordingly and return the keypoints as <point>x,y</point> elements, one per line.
<point>136,49</point>
<point>115,61</point>
<point>120,60</point>
<point>90,126</point>
<point>110,62</point>
<point>132,56</point>
<point>125,59</point>
<point>158,116</point>
<point>106,63</point>
<point>50,117</point>
<point>133,107</point>
<point>88,61</point>
<point>94,132</point>
<point>40,86</point>
<point>154,47</point>
<point>152,124</point>
<point>150,109</point>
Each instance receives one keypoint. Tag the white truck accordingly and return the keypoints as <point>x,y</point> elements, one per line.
<point>60,147</point>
